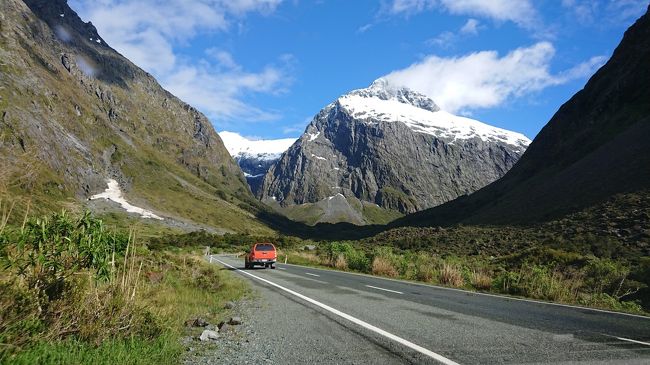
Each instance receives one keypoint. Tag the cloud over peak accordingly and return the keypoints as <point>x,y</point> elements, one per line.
<point>485,79</point>
<point>150,32</point>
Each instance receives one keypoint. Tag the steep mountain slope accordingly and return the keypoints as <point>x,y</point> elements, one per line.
<point>255,157</point>
<point>594,147</point>
<point>381,150</point>
<point>77,113</point>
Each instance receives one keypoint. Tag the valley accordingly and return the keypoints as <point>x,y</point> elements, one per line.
<point>405,233</point>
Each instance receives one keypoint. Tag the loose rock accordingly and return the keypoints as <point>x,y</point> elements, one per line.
<point>235,321</point>
<point>208,335</point>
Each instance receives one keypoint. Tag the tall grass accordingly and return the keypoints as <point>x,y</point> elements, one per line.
<point>71,291</point>
<point>540,274</point>
<point>383,267</point>
<point>451,275</point>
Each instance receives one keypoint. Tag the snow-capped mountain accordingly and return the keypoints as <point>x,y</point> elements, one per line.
<point>254,156</point>
<point>385,102</point>
<point>389,147</point>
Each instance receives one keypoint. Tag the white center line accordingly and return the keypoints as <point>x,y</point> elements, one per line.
<point>378,288</point>
<point>308,273</point>
<point>355,320</point>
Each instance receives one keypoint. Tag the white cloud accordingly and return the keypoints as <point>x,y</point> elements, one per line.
<point>148,32</point>
<point>612,12</point>
<point>470,27</point>
<point>521,12</point>
<point>448,39</point>
<point>444,39</point>
<point>583,11</point>
<point>218,89</point>
<point>410,6</point>
<point>626,11</point>
<point>484,79</point>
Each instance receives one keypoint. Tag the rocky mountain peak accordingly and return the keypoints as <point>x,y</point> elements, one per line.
<point>386,150</point>
<point>383,89</point>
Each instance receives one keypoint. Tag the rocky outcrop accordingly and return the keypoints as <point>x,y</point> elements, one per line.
<point>392,147</point>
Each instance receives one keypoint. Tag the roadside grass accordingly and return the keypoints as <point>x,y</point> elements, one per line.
<point>163,350</point>
<point>72,291</point>
<point>579,280</point>
<point>568,274</point>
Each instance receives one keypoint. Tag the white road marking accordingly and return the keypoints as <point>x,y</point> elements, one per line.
<point>354,320</point>
<point>281,268</point>
<point>629,340</point>
<point>378,288</point>
<point>483,294</point>
<point>308,273</point>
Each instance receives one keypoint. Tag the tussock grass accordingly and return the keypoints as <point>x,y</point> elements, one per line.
<point>481,280</point>
<point>383,267</point>
<point>341,263</point>
<point>451,275</point>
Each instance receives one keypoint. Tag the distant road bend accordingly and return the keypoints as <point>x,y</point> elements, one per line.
<point>376,320</point>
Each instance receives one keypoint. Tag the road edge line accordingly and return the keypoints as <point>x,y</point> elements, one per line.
<point>350,318</point>
<point>476,292</point>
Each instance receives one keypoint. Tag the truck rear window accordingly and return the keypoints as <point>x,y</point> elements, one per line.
<point>264,247</point>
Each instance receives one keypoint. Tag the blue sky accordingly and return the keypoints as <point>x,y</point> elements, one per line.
<point>263,68</point>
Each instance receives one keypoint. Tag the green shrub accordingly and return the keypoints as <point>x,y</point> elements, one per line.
<point>604,300</point>
<point>604,276</point>
<point>355,258</point>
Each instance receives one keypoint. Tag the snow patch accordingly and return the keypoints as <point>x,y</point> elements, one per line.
<point>62,15</point>
<point>265,149</point>
<point>318,157</point>
<point>246,174</point>
<point>334,196</point>
<point>418,112</point>
<point>114,193</point>
<point>313,136</point>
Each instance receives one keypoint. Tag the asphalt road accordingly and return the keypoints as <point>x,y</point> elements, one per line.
<point>351,318</point>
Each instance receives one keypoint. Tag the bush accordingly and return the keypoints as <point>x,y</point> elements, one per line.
<point>355,259</point>
<point>604,300</point>
<point>604,276</point>
<point>62,279</point>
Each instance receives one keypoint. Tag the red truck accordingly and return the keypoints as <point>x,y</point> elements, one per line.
<point>262,254</point>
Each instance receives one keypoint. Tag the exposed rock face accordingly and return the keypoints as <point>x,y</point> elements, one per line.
<point>83,113</point>
<point>594,147</point>
<point>391,147</point>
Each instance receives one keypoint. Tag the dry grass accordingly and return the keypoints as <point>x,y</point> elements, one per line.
<point>341,263</point>
<point>481,280</point>
<point>451,275</point>
<point>383,267</point>
<point>426,273</point>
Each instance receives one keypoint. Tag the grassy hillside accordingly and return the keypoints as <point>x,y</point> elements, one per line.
<point>74,112</point>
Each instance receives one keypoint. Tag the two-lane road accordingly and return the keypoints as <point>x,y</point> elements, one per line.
<point>408,322</point>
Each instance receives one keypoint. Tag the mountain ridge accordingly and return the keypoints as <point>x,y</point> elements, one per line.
<point>594,147</point>
<point>78,113</point>
<point>386,149</point>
